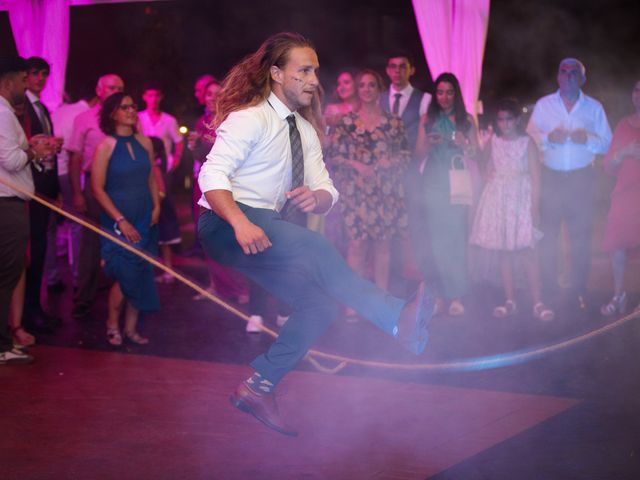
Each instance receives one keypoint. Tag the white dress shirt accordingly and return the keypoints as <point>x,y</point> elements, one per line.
<point>166,129</point>
<point>587,113</point>
<point>404,99</point>
<point>251,157</point>
<point>14,163</point>
<point>63,118</point>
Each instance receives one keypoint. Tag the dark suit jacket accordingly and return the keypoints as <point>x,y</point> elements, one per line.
<point>45,182</point>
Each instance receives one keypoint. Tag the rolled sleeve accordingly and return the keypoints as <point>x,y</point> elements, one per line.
<point>12,144</point>
<point>235,138</point>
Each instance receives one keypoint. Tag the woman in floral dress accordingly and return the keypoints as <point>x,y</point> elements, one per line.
<point>369,157</point>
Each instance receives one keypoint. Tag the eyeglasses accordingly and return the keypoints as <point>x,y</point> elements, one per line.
<point>128,106</point>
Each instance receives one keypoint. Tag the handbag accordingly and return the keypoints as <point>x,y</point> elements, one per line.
<point>460,182</point>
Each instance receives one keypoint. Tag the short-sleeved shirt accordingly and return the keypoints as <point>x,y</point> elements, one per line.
<point>166,129</point>
<point>86,136</point>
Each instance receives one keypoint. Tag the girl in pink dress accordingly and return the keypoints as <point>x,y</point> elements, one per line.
<point>508,209</point>
<point>622,232</point>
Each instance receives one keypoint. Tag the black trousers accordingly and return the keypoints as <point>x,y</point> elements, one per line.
<point>567,197</point>
<point>38,223</point>
<point>14,236</point>
<point>89,257</point>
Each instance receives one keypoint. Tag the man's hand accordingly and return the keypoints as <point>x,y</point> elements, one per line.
<point>579,136</point>
<point>558,135</point>
<point>303,198</point>
<point>251,238</point>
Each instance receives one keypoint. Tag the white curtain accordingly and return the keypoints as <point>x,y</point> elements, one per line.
<point>41,29</point>
<point>453,34</point>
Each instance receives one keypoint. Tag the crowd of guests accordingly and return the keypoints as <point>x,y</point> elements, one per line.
<point>418,185</point>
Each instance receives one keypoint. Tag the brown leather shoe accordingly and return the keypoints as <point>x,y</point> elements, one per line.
<point>263,406</point>
<point>412,324</point>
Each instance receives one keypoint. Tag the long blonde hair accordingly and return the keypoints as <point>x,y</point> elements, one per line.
<point>249,82</point>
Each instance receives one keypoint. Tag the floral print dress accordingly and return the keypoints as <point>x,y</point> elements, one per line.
<point>372,206</point>
<point>503,219</point>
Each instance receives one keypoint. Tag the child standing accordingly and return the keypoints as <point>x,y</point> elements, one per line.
<point>508,211</point>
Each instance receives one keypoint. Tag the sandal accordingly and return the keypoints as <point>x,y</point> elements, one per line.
<point>509,308</point>
<point>543,313</point>
<point>456,308</point>
<point>22,338</point>
<point>618,303</point>
<point>113,336</point>
<point>135,337</point>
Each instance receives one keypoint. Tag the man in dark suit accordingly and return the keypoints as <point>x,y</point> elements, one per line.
<point>408,103</point>
<point>402,99</point>
<point>36,120</point>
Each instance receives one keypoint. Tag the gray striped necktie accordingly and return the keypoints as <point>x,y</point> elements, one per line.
<point>297,166</point>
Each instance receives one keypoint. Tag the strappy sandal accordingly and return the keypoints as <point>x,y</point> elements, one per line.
<point>135,337</point>
<point>618,303</point>
<point>543,313</point>
<point>509,308</point>
<point>114,337</point>
<point>21,337</point>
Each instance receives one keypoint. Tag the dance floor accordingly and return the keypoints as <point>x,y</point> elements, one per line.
<point>85,410</point>
<point>85,414</point>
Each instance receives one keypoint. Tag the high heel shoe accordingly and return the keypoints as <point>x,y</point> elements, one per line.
<point>617,304</point>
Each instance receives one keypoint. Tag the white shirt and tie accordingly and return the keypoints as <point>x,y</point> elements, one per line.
<point>403,100</point>
<point>251,157</point>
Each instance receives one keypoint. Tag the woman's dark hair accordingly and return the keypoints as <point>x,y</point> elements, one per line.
<point>460,112</point>
<point>109,107</point>
<point>159,153</point>
<point>511,106</point>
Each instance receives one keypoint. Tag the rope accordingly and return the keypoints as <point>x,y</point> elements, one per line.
<point>460,365</point>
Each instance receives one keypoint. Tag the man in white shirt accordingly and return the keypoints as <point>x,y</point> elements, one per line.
<point>265,166</point>
<point>37,121</point>
<point>410,104</point>
<point>570,129</point>
<point>402,98</point>
<point>63,118</point>
<point>16,155</point>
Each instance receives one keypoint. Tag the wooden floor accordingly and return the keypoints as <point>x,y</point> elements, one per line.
<point>85,410</point>
<point>85,414</point>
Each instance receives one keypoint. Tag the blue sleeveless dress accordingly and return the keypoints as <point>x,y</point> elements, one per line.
<point>127,184</point>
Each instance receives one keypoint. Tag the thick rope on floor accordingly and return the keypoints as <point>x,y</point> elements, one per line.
<point>461,365</point>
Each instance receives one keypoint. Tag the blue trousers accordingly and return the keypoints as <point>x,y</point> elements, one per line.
<point>305,271</point>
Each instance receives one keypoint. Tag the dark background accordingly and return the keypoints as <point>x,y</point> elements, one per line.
<point>175,41</point>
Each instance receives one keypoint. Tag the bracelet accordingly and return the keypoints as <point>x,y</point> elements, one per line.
<point>119,219</point>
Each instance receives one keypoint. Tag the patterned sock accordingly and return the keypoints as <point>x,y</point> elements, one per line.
<point>258,384</point>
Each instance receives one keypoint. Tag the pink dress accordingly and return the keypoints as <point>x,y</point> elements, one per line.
<point>623,222</point>
<point>503,218</point>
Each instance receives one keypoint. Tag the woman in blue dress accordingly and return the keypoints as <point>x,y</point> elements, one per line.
<point>125,188</point>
